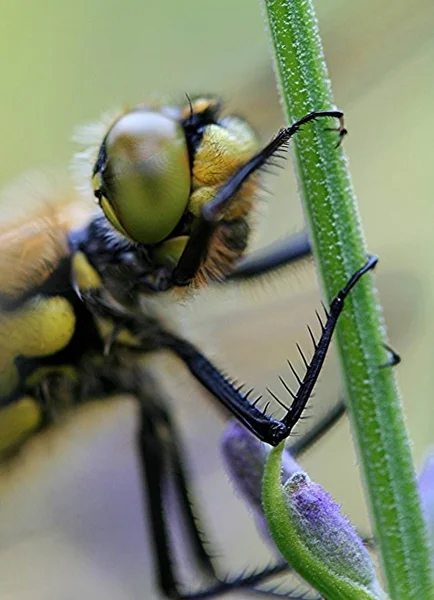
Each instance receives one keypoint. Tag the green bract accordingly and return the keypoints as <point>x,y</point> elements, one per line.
<point>315,538</point>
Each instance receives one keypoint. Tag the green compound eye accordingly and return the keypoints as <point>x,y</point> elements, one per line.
<point>146,177</point>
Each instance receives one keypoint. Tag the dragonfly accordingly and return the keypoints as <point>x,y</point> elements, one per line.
<point>84,299</point>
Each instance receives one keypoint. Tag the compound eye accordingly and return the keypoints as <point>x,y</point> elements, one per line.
<point>145,181</point>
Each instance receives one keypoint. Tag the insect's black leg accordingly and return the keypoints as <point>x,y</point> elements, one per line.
<point>161,458</point>
<point>311,437</point>
<point>154,464</point>
<point>223,390</point>
<point>246,582</point>
<point>394,359</point>
<point>305,390</point>
<point>157,452</point>
<point>195,250</point>
<point>266,428</point>
<point>278,254</point>
<point>189,509</point>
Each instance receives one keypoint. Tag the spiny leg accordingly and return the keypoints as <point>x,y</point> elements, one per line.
<point>394,359</point>
<point>276,255</point>
<point>265,427</point>
<point>159,457</point>
<point>245,583</point>
<point>262,425</point>
<point>156,456</point>
<point>318,431</point>
<point>151,445</point>
<point>284,253</point>
<point>314,368</point>
<point>153,463</point>
<point>188,507</point>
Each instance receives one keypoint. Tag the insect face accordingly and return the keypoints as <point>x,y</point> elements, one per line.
<point>156,169</point>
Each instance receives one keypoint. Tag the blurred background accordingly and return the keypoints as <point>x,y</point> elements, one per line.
<point>71,517</point>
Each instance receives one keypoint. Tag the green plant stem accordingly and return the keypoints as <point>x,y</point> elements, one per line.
<point>339,248</point>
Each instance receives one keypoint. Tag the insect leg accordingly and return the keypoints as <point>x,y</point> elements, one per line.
<point>394,359</point>
<point>305,390</point>
<point>155,460</point>
<point>154,466</point>
<point>160,453</point>
<point>333,416</point>
<point>195,250</point>
<point>265,427</point>
<point>284,252</point>
<point>278,254</point>
<point>189,509</point>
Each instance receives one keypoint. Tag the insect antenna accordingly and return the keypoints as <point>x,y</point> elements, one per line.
<point>189,119</point>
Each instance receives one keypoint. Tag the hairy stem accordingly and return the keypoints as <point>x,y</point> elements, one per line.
<point>339,248</point>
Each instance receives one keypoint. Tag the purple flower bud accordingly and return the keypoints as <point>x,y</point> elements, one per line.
<point>316,538</point>
<point>326,533</point>
<point>245,457</point>
<point>426,491</point>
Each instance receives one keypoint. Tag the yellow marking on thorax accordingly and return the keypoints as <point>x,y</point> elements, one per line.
<point>41,327</point>
<point>222,151</point>
<point>66,371</point>
<point>86,278</point>
<point>17,422</point>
